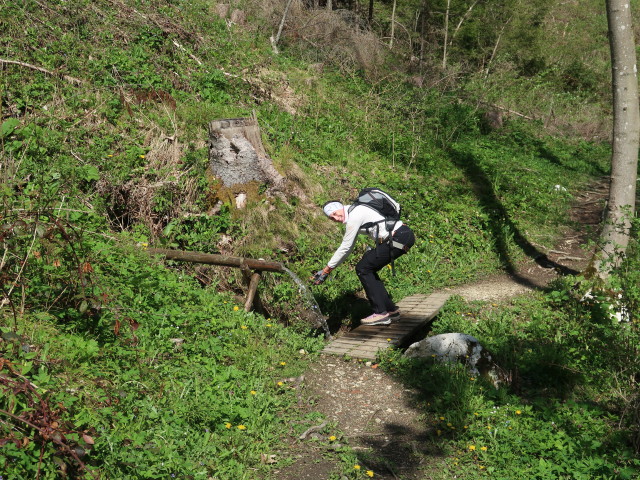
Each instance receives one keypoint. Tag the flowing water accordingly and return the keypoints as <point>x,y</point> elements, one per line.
<point>310,299</point>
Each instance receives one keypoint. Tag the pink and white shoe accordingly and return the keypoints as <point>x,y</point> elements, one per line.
<point>376,319</point>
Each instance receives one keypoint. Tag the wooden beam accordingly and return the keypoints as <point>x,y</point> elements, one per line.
<point>213,259</point>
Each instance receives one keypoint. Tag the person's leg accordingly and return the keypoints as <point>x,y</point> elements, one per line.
<point>371,263</point>
<point>367,269</point>
<point>405,237</point>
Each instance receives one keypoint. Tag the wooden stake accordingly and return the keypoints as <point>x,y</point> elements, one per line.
<point>253,287</point>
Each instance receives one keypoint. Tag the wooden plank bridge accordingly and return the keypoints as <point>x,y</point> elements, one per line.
<point>365,341</point>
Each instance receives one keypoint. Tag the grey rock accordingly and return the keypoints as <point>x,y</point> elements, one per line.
<point>459,347</point>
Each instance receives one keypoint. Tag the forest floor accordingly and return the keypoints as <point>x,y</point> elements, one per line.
<point>375,415</point>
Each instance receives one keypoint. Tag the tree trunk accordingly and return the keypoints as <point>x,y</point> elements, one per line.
<point>626,136</point>
<point>393,24</point>
<point>274,41</point>
<point>446,35</point>
<point>370,12</point>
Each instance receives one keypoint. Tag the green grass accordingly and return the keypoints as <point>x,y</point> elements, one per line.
<point>560,415</point>
<point>152,388</point>
<point>136,369</point>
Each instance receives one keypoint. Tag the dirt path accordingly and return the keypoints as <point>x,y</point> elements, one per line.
<point>379,418</point>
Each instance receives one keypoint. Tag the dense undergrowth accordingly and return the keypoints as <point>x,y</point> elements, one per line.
<point>570,408</point>
<point>118,365</point>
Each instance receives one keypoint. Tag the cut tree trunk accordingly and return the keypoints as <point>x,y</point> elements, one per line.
<point>237,156</point>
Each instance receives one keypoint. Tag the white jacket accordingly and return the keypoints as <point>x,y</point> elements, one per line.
<point>354,220</point>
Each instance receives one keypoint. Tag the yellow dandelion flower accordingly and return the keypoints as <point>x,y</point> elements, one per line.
<point>109,155</point>
<point>236,308</point>
<point>268,325</point>
<point>244,327</point>
<point>441,418</point>
<point>141,156</point>
<point>388,339</point>
<point>283,363</point>
<point>472,378</point>
<point>448,424</point>
<point>356,467</point>
<point>518,412</point>
<point>476,414</point>
<point>369,473</point>
<point>438,432</point>
<point>241,427</point>
<point>253,392</point>
<point>228,425</point>
<point>484,449</point>
<point>472,447</point>
<point>466,426</point>
<point>332,438</point>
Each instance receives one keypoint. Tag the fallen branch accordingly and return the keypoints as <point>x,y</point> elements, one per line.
<point>193,57</point>
<point>317,428</point>
<point>577,259</point>
<point>504,109</point>
<point>73,80</point>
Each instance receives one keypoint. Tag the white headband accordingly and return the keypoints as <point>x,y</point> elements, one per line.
<point>331,207</point>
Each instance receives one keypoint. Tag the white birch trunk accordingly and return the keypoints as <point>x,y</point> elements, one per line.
<point>626,136</point>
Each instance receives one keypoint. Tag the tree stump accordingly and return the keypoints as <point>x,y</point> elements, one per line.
<point>237,156</point>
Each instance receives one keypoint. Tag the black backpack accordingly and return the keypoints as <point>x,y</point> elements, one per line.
<point>381,202</point>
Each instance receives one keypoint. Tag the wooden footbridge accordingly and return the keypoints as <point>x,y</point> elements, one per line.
<point>365,341</point>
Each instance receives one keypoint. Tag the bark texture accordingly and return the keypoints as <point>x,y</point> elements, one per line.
<point>626,135</point>
<point>237,156</point>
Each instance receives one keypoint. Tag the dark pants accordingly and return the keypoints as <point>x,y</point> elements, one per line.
<point>371,263</point>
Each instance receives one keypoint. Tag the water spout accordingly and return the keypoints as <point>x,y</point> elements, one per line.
<point>314,307</point>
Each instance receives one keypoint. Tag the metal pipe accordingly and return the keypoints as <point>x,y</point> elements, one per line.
<point>214,259</point>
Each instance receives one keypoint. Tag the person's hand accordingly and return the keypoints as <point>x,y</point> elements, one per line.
<point>321,275</point>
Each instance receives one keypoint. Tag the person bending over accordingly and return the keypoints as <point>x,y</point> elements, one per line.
<point>392,241</point>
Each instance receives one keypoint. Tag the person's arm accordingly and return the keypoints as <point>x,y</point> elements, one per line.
<point>345,248</point>
<point>357,217</point>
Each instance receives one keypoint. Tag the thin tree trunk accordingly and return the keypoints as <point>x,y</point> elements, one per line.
<point>626,137</point>
<point>446,34</point>
<point>393,23</point>
<point>495,50</point>
<point>274,41</point>
<point>423,32</point>
<point>462,19</point>
<point>370,19</point>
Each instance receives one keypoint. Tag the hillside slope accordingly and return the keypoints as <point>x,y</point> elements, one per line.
<point>122,365</point>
